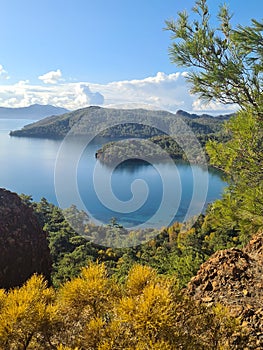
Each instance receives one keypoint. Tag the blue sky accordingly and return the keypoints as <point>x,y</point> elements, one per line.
<point>73,53</point>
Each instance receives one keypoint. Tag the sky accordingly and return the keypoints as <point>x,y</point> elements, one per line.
<point>76,53</point>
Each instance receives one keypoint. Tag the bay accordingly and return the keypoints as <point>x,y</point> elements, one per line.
<point>137,194</point>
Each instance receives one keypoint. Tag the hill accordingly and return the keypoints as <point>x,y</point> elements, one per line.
<point>128,123</point>
<point>33,112</point>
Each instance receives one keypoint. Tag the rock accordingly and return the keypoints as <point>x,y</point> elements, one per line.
<point>234,278</point>
<point>23,244</point>
<point>207,299</point>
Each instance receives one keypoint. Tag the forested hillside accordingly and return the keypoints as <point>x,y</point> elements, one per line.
<point>159,149</point>
<point>177,250</point>
<point>98,121</point>
<point>107,298</point>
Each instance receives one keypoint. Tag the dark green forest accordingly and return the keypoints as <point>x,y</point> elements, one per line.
<point>160,148</point>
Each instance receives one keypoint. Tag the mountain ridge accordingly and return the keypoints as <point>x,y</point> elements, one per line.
<point>32,112</point>
<point>91,120</point>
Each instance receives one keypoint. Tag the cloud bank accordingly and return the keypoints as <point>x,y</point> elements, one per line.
<point>162,91</point>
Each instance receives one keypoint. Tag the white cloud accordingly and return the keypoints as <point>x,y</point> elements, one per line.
<point>51,77</point>
<point>87,96</point>
<point>162,91</point>
<point>3,73</point>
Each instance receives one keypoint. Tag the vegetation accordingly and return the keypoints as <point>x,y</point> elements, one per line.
<point>158,149</point>
<point>114,123</point>
<point>92,311</point>
<point>227,65</point>
<point>228,61</point>
<point>202,129</point>
<point>176,251</point>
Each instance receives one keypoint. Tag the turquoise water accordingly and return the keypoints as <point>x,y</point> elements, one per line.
<point>138,193</point>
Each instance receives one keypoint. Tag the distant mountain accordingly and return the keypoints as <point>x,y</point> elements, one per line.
<point>129,123</point>
<point>33,112</point>
<point>194,116</point>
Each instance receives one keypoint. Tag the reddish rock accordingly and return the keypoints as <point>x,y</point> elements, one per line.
<point>234,278</point>
<point>23,244</point>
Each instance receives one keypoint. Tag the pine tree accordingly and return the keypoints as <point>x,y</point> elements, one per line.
<point>227,66</point>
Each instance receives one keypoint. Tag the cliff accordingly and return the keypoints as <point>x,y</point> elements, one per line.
<point>234,278</point>
<point>23,244</point>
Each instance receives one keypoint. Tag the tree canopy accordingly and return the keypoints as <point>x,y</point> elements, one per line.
<point>228,62</point>
<point>227,65</point>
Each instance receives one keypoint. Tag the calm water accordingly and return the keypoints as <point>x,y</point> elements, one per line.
<point>136,193</point>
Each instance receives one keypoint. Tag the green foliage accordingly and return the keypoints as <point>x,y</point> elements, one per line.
<point>228,62</point>
<point>159,149</point>
<point>241,156</point>
<point>242,161</point>
<point>227,66</point>
<point>176,251</point>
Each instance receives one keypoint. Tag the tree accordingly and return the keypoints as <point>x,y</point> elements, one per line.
<point>227,66</point>
<point>228,62</point>
<point>27,315</point>
<point>241,159</point>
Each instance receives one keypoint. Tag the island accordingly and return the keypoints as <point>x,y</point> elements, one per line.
<point>121,123</point>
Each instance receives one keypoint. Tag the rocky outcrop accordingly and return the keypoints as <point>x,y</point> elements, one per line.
<point>234,278</point>
<point>23,244</point>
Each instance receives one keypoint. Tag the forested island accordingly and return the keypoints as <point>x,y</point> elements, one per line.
<point>114,123</point>
<point>158,149</point>
<point>179,136</point>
